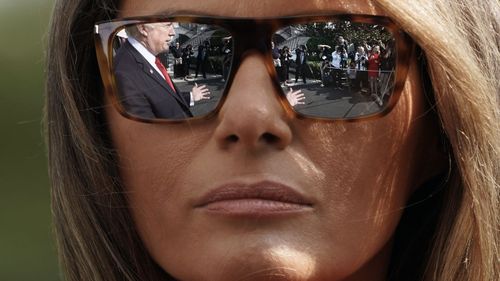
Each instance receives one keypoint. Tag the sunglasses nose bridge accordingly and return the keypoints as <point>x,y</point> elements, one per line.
<point>252,35</point>
<point>253,38</point>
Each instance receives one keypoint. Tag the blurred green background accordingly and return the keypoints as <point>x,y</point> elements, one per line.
<point>27,250</point>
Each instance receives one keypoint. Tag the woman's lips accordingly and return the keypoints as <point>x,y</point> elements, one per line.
<point>258,199</point>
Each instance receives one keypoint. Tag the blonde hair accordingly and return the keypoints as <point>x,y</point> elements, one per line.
<point>466,83</point>
<point>95,234</point>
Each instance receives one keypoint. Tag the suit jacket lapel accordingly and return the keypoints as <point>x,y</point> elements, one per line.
<point>151,72</point>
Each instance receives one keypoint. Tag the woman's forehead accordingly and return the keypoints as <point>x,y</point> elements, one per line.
<point>255,8</point>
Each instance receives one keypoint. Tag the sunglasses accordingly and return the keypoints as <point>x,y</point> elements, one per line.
<point>172,69</point>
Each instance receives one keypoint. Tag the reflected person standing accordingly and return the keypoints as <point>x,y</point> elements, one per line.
<point>145,85</point>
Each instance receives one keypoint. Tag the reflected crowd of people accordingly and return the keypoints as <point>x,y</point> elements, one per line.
<point>311,74</point>
<point>365,68</point>
<point>203,59</point>
<point>360,66</point>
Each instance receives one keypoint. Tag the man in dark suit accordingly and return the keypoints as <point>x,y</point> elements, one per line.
<point>202,59</point>
<point>301,63</point>
<point>176,51</point>
<point>226,57</point>
<point>144,86</point>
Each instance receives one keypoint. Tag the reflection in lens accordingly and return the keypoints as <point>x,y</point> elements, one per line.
<point>343,69</point>
<point>170,71</point>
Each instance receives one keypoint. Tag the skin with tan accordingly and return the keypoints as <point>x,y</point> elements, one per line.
<point>356,177</point>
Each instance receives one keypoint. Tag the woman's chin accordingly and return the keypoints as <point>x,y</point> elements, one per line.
<point>269,256</point>
<point>253,263</point>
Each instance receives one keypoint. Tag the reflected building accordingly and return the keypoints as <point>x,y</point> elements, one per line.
<point>290,36</point>
<point>196,34</point>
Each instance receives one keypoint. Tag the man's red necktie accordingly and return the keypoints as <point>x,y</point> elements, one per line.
<point>165,74</point>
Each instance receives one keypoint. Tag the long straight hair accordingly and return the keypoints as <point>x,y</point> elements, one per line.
<point>461,41</point>
<point>95,233</point>
<point>96,238</point>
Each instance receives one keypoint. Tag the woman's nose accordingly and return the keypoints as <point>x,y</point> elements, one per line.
<point>252,116</point>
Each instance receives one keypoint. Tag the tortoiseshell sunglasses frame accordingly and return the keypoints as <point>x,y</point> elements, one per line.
<point>250,34</point>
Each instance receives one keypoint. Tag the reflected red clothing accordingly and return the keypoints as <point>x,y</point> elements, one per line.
<point>373,65</point>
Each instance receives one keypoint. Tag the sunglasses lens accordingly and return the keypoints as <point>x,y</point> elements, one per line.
<point>336,70</point>
<point>170,70</point>
<point>178,70</point>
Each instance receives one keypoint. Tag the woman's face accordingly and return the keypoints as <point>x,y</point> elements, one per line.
<point>190,186</point>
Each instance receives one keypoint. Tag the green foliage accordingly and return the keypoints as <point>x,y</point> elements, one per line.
<point>312,46</point>
<point>215,64</point>
<point>328,34</point>
<point>314,69</point>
